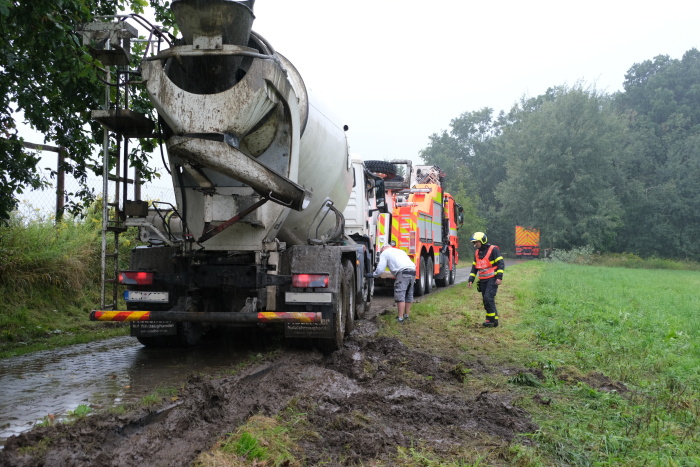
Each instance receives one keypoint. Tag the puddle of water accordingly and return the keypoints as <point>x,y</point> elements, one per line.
<point>99,374</point>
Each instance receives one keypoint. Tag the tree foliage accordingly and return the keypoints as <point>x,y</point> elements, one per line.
<point>48,76</point>
<point>561,172</point>
<point>616,172</point>
<point>661,101</point>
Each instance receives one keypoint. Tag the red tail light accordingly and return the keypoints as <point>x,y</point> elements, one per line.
<point>310,280</point>
<point>135,278</point>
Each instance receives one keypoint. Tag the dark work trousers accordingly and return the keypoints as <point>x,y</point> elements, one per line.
<point>488,293</point>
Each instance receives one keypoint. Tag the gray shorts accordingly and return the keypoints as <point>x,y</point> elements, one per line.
<point>403,286</point>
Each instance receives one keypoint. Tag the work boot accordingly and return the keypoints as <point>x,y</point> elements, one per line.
<point>490,324</point>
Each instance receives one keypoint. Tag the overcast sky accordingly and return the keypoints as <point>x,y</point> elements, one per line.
<point>398,71</point>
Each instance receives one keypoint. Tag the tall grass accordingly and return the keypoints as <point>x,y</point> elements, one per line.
<point>587,255</point>
<point>40,255</point>
<point>49,281</point>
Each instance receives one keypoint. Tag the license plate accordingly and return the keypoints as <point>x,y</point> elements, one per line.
<point>140,296</point>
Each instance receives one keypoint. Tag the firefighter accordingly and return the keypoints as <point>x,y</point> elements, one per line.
<point>488,265</point>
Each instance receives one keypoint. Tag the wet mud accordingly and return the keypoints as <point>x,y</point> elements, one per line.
<point>362,403</point>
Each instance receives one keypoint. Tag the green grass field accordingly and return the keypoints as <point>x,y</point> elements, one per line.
<point>639,327</point>
<point>631,333</point>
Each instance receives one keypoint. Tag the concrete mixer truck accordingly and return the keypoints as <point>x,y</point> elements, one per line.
<point>262,177</point>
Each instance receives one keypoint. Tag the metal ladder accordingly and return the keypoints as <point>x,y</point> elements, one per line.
<point>110,43</point>
<point>112,224</point>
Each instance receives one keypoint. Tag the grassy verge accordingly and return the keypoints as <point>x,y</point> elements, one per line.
<point>49,281</point>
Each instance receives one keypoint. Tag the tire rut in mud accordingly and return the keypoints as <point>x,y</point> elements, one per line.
<point>362,402</point>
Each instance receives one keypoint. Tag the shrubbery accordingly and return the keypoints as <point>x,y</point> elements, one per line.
<point>50,278</point>
<point>587,256</point>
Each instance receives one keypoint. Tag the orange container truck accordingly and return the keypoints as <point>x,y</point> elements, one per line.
<point>527,241</point>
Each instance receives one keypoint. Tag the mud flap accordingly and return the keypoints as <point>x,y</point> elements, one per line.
<point>323,330</point>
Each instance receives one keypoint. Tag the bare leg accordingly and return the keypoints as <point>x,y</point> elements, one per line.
<point>401,306</point>
<point>407,308</point>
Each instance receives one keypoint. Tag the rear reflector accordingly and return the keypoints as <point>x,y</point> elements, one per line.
<point>135,278</point>
<point>310,280</point>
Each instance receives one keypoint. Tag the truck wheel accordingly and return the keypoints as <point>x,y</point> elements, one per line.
<point>349,273</point>
<point>387,169</point>
<point>334,343</point>
<point>442,282</point>
<point>420,287</point>
<point>368,294</point>
<point>362,297</point>
<point>188,334</point>
<point>429,275</point>
<point>444,272</point>
<point>452,274</point>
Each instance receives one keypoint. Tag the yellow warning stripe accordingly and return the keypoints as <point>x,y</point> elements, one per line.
<point>121,315</point>
<point>297,317</point>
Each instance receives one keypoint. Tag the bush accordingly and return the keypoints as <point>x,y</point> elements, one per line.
<point>587,256</point>
<point>50,278</point>
<point>39,254</point>
<point>583,255</point>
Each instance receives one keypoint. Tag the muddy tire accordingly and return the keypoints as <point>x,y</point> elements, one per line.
<point>421,287</point>
<point>382,168</point>
<point>442,282</point>
<point>188,334</point>
<point>349,273</point>
<point>334,343</point>
<point>363,297</point>
<point>429,275</point>
<point>368,294</point>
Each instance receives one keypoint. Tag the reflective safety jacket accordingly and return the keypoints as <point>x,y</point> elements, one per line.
<point>485,268</point>
<point>488,263</point>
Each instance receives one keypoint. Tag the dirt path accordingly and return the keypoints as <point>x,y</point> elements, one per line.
<point>362,402</point>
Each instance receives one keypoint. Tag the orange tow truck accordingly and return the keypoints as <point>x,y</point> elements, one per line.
<point>422,218</point>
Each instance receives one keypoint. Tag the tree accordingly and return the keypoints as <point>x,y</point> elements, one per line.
<point>561,171</point>
<point>469,140</point>
<point>47,74</point>
<point>662,105</point>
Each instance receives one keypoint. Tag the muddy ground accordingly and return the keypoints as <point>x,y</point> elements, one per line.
<point>362,403</point>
